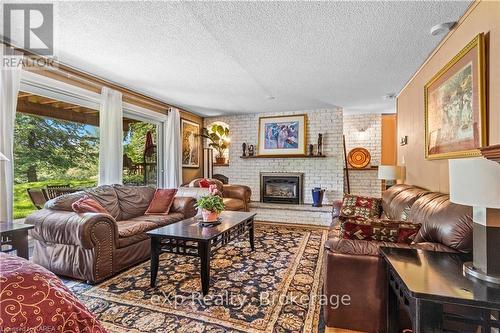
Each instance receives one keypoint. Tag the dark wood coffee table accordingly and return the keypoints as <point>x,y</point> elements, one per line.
<point>188,238</point>
<point>15,235</point>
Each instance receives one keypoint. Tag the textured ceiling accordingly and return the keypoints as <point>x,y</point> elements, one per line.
<point>230,57</point>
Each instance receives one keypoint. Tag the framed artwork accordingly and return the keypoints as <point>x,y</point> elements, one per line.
<point>455,106</point>
<point>282,135</point>
<point>190,144</point>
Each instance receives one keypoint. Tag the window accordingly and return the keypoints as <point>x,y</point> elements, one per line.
<point>140,152</point>
<point>56,143</point>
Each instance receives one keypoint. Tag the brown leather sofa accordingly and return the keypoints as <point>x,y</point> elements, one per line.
<point>235,197</point>
<point>355,268</point>
<point>93,246</point>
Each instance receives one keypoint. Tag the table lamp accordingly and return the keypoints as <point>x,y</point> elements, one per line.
<point>476,182</point>
<point>390,173</point>
<point>3,158</point>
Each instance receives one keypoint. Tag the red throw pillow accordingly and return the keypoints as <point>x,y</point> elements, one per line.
<point>366,207</point>
<point>379,230</point>
<point>162,201</point>
<point>205,183</point>
<point>88,205</point>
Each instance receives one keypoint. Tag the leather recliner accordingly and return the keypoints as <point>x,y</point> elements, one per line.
<point>355,268</point>
<point>95,246</point>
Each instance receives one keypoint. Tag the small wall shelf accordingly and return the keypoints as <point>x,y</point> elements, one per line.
<point>221,165</point>
<point>371,168</point>
<point>283,156</point>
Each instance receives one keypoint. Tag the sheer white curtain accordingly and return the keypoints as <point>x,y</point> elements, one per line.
<point>10,80</point>
<point>110,137</point>
<point>172,153</point>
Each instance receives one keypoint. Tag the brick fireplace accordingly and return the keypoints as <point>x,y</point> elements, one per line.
<point>284,188</point>
<point>324,172</point>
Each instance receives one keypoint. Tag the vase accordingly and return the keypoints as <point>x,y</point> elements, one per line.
<point>317,194</point>
<point>220,160</point>
<point>209,216</point>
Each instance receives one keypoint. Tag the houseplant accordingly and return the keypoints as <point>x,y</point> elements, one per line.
<point>218,136</point>
<point>211,205</point>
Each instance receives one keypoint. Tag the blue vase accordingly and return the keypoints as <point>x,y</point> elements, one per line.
<point>317,194</point>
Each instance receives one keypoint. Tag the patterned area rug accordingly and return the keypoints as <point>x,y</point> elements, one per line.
<point>273,289</point>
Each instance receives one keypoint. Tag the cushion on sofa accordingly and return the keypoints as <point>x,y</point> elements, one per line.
<point>106,196</point>
<point>401,201</point>
<point>88,205</point>
<point>129,228</point>
<point>370,248</point>
<point>64,202</point>
<point>160,220</point>
<point>443,221</point>
<point>379,230</point>
<point>162,201</point>
<point>204,183</point>
<point>133,200</point>
<point>196,183</point>
<point>354,205</point>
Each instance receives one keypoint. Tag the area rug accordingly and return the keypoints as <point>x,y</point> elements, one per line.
<point>275,288</point>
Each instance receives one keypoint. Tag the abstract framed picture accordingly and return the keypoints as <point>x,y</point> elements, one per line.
<point>190,144</point>
<point>455,106</point>
<point>282,135</point>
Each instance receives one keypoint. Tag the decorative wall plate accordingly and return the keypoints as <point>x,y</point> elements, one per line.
<point>359,158</point>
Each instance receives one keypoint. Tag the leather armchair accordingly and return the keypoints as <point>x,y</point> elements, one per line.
<point>94,246</point>
<point>355,268</point>
<point>235,197</point>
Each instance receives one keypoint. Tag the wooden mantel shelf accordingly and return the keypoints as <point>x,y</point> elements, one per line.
<point>283,156</point>
<point>371,168</point>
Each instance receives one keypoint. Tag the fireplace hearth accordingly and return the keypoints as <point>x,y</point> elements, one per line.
<point>284,188</point>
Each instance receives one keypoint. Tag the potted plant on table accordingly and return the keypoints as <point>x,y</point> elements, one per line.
<point>218,136</point>
<point>211,205</point>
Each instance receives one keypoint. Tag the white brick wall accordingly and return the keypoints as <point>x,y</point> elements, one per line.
<point>325,172</point>
<point>364,182</point>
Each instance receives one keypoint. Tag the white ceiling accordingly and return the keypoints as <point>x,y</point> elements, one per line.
<point>228,57</point>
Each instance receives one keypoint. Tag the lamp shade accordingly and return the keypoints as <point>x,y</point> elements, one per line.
<point>389,172</point>
<point>3,158</point>
<point>475,182</point>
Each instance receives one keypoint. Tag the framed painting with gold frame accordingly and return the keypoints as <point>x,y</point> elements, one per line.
<point>455,106</point>
<point>283,135</point>
<point>190,144</point>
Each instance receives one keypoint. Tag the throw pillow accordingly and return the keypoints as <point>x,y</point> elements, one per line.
<point>379,230</point>
<point>162,201</point>
<point>88,205</point>
<point>366,207</point>
<point>205,183</point>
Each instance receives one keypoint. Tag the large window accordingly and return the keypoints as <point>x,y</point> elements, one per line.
<point>140,147</point>
<point>55,144</point>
